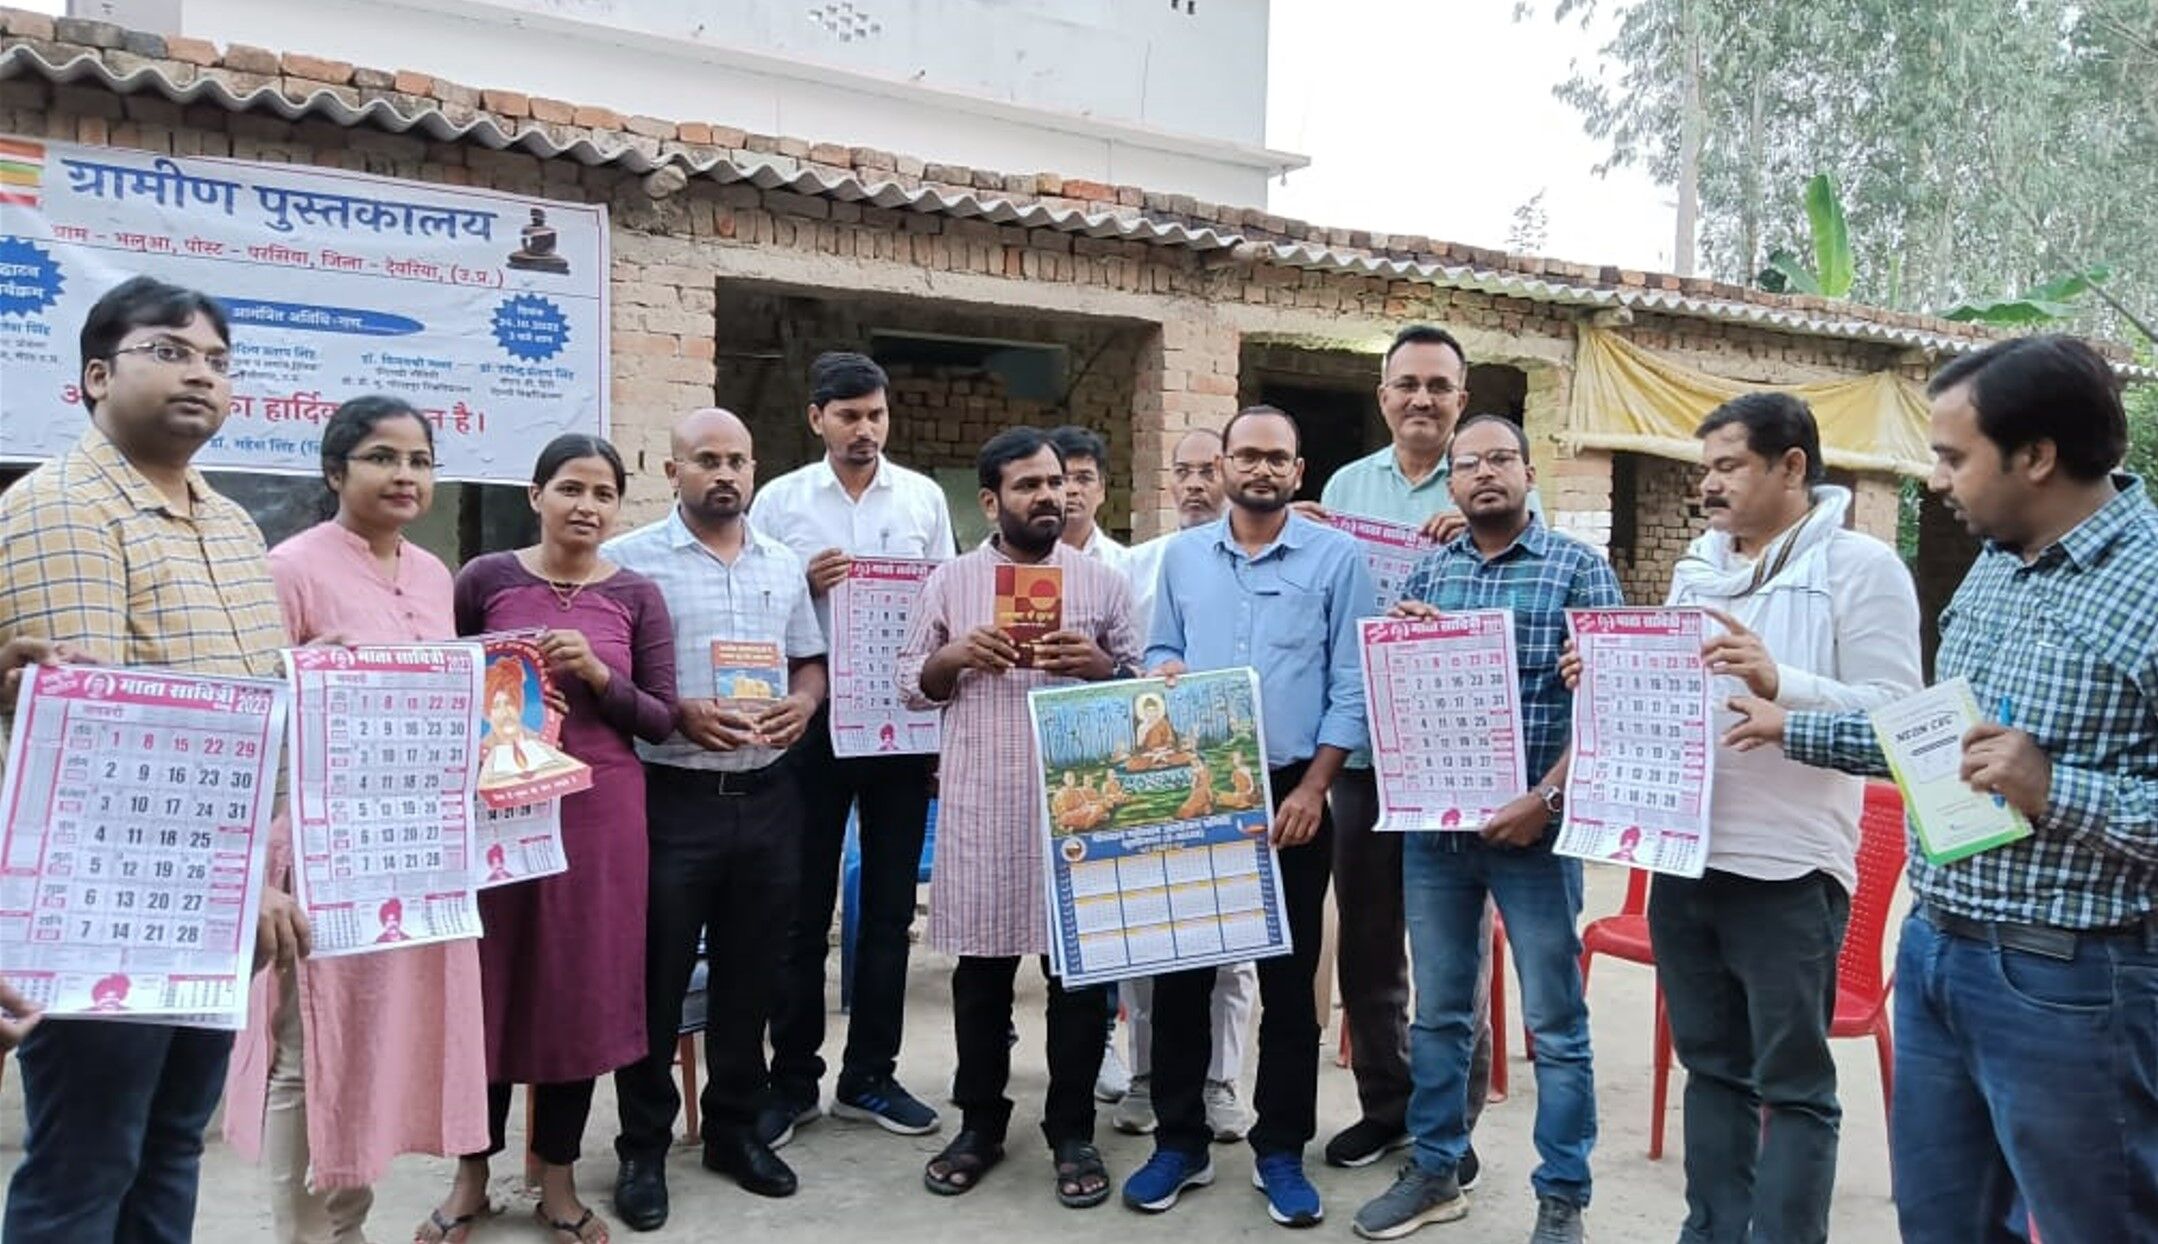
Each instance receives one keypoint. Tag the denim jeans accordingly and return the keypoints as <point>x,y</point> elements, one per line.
<point>1748,969</point>
<point>1445,881</point>
<point>112,1147</point>
<point>2016,1071</point>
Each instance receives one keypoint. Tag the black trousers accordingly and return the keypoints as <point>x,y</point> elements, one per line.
<point>1286,1092</point>
<point>559,1112</point>
<point>1371,947</point>
<point>982,1021</point>
<point>894,796</point>
<point>724,853</point>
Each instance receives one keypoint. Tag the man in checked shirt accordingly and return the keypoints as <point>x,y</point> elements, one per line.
<point>2027,978</point>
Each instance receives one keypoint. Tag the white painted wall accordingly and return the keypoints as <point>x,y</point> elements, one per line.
<point>1170,96</point>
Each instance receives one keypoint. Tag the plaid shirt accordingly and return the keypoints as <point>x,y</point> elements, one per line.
<point>1539,576</point>
<point>2071,642</point>
<point>92,554</point>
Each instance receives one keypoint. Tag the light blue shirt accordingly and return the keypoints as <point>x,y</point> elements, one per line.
<point>1289,612</point>
<point>1374,487</point>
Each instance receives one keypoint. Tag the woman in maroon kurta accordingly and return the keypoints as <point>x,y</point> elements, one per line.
<point>562,962</point>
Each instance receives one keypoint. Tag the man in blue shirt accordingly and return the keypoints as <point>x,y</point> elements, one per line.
<point>1504,560</point>
<point>1273,590</point>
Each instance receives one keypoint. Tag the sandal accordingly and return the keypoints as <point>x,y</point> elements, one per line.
<point>969,1157</point>
<point>447,1230</point>
<point>575,1230</point>
<point>1082,1179</point>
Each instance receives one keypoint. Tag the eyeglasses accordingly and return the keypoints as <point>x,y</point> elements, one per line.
<point>736,463</point>
<point>1184,471</point>
<point>1278,461</point>
<point>390,460</point>
<point>180,354</point>
<point>1409,386</point>
<point>1499,460</point>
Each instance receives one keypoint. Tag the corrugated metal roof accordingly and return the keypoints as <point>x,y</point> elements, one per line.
<point>773,172</point>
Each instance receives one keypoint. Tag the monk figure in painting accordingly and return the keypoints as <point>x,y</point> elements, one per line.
<point>1243,788</point>
<point>1201,800</point>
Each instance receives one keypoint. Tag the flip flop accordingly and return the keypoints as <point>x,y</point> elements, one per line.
<point>446,1230</point>
<point>970,1156</point>
<point>575,1230</point>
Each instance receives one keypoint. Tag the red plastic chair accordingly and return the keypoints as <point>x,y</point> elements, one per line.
<point>1862,991</point>
<point>1624,935</point>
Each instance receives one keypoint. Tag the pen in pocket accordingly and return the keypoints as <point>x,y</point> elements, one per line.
<point>2005,713</point>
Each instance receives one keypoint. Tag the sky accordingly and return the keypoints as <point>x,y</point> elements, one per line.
<point>1436,117</point>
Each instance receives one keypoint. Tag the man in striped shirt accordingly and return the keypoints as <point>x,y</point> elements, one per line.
<point>120,549</point>
<point>2027,978</point>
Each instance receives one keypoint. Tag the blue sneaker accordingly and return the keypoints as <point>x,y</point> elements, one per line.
<point>1156,1186</point>
<point>1290,1198</point>
<point>886,1104</point>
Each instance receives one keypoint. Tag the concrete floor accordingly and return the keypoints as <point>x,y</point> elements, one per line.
<point>858,1180</point>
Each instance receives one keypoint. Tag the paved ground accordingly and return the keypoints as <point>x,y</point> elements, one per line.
<point>857,1180</point>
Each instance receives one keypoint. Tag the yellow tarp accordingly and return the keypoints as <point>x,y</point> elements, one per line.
<point>1631,399</point>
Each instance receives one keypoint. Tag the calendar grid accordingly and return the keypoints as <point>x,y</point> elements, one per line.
<point>1644,743</point>
<point>870,611</point>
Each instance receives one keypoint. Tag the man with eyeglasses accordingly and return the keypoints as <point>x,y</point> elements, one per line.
<point>1195,486</point>
<point>1273,590</point>
<point>1423,389</point>
<point>1505,559</point>
<point>725,815</point>
<point>122,551</point>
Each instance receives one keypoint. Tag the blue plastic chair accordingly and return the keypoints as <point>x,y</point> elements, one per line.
<point>850,894</point>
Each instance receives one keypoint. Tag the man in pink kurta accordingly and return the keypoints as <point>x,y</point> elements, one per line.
<point>389,1046</point>
<point>986,902</point>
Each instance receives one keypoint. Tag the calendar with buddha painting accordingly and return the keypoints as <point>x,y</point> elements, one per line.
<point>135,841</point>
<point>1644,744</point>
<point>384,762</point>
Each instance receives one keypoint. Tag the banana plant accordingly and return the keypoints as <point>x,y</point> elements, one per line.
<point>1833,271</point>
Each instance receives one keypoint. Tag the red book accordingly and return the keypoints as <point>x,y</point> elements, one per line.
<point>1030,604</point>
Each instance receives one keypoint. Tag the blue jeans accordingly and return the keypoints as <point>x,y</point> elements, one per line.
<point>112,1147</point>
<point>2017,1071</point>
<point>1445,878</point>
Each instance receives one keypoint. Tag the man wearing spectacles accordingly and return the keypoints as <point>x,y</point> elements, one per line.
<point>120,549</point>
<point>1506,559</point>
<point>1266,588</point>
<point>1195,471</point>
<point>1423,389</point>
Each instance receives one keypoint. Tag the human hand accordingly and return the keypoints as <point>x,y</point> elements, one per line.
<point>1296,819</point>
<point>22,1015</point>
<point>827,569</point>
<point>1413,609</point>
<point>714,725</point>
<point>1760,724</point>
<point>2007,763</point>
<point>1570,665</point>
<point>1444,527</point>
<point>783,722</point>
<point>569,652</point>
<point>1073,655</point>
<point>1522,822</point>
<point>282,935</point>
<point>1742,655</point>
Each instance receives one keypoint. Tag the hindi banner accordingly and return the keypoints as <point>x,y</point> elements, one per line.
<point>870,611</point>
<point>1156,812</point>
<point>1445,709</point>
<point>384,767</point>
<point>135,841</point>
<point>1391,551</point>
<point>487,311</point>
<point>1644,741</point>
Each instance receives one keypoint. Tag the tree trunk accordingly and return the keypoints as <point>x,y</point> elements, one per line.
<point>1750,200</point>
<point>1692,123</point>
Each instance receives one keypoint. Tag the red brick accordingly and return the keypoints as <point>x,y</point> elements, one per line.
<point>829,153</point>
<point>1091,191</point>
<point>301,65</point>
<point>553,111</point>
<point>247,58</point>
<point>597,118</point>
<point>650,127</point>
<point>26,24</point>
<point>508,103</point>
<point>695,132</point>
<point>411,83</point>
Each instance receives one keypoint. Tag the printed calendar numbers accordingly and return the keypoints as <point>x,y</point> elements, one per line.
<point>871,608</point>
<point>1445,710</point>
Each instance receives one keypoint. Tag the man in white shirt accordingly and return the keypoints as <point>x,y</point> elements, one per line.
<point>853,502</point>
<point>1086,486</point>
<point>1818,617</point>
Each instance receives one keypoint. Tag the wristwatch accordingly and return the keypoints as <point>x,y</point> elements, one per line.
<point>1554,797</point>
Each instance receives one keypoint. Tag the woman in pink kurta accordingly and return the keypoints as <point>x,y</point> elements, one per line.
<point>349,1062</point>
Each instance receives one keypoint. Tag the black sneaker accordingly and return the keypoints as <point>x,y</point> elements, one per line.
<point>782,1114</point>
<point>886,1104</point>
<point>1470,1170</point>
<point>1364,1142</point>
<point>1417,1199</point>
<point>1557,1222</point>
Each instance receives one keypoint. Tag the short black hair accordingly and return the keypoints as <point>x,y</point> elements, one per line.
<point>1073,441</point>
<point>1253,412</point>
<point>143,302</point>
<point>1521,436</point>
<point>843,375</point>
<point>1010,445</point>
<point>349,424</point>
<point>1425,335</point>
<point>569,447</point>
<point>2046,388</point>
<point>1775,423</point>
